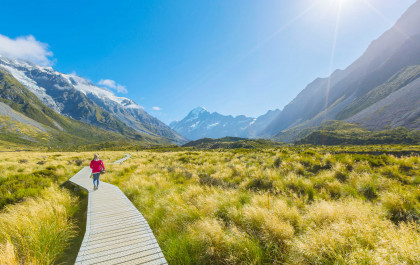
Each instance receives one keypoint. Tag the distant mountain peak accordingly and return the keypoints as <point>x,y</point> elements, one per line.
<point>195,113</point>
<point>200,123</point>
<point>198,110</point>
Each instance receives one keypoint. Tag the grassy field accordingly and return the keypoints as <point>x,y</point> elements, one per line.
<point>287,205</point>
<point>291,205</point>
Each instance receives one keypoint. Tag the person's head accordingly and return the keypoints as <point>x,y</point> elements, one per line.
<point>95,156</point>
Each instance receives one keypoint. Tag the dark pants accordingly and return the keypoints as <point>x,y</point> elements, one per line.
<point>96,178</point>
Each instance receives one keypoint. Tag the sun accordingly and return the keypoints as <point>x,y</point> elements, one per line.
<point>342,3</point>
<point>346,6</point>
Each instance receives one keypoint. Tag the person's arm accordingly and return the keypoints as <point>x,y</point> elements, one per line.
<point>102,164</point>
<point>91,164</point>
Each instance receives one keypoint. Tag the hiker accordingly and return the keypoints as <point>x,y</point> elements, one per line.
<point>97,166</point>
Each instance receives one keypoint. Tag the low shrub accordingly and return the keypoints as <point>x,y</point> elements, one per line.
<point>78,162</point>
<point>400,207</point>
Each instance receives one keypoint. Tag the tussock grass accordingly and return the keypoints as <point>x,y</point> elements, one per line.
<point>354,232</point>
<point>290,205</point>
<point>37,230</point>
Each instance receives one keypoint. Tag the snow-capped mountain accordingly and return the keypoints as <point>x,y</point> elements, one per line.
<point>200,123</point>
<point>78,98</point>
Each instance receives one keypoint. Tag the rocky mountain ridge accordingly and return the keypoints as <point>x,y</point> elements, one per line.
<point>200,123</point>
<point>347,94</point>
<point>78,98</point>
<point>25,120</point>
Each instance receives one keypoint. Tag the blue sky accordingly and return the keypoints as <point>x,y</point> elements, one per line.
<point>230,56</point>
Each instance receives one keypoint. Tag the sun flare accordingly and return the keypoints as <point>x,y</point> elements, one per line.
<point>341,3</point>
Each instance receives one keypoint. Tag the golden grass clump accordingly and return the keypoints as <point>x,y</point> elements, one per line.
<point>354,232</point>
<point>265,225</point>
<point>326,212</point>
<point>221,244</point>
<point>399,245</point>
<point>37,230</point>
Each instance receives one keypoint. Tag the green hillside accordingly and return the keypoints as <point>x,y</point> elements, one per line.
<point>231,143</point>
<point>340,133</point>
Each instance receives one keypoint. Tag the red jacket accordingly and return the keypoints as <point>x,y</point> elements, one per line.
<point>96,166</point>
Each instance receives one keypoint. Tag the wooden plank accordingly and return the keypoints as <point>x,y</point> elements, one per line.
<point>116,232</point>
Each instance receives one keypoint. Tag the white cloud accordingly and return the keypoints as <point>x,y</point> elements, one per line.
<point>157,108</point>
<point>113,85</point>
<point>26,48</point>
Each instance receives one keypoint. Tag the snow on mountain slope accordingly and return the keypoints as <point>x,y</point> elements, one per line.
<point>14,67</point>
<point>200,123</point>
<point>86,87</point>
<point>76,97</point>
<point>19,70</point>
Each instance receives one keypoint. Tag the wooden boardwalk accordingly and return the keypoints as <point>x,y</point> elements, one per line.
<point>116,232</point>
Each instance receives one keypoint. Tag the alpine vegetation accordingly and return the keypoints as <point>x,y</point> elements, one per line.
<point>279,206</point>
<point>38,230</point>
